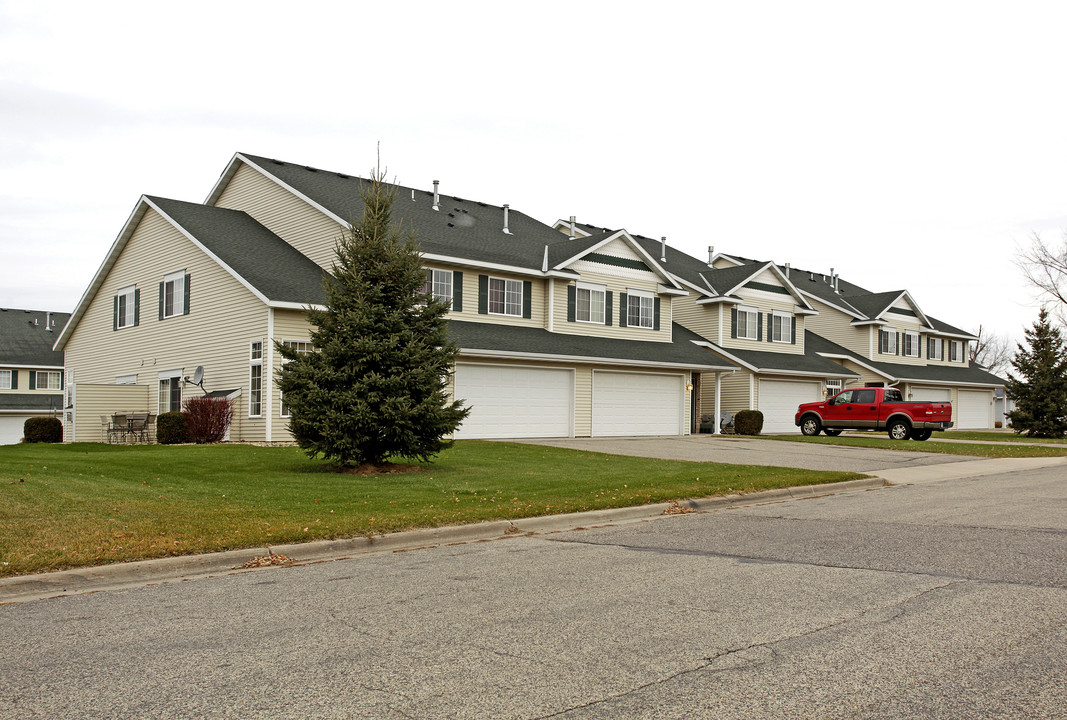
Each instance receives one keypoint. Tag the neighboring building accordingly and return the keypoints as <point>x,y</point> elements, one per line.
<point>31,373</point>
<point>564,330</point>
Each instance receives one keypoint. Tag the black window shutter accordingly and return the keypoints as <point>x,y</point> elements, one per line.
<point>185,309</point>
<point>527,299</point>
<point>929,347</point>
<point>137,306</point>
<point>881,341</point>
<point>115,315</point>
<point>161,301</point>
<point>572,299</point>
<point>793,331</point>
<point>655,314</point>
<point>759,326</point>
<point>14,379</point>
<point>898,343</point>
<point>457,291</point>
<point>33,379</point>
<point>483,294</point>
<point>770,327</point>
<point>622,309</point>
<point>918,345</point>
<point>609,309</point>
<point>733,323</point>
<point>61,379</point>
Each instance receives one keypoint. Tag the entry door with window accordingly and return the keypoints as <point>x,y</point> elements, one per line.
<point>170,394</point>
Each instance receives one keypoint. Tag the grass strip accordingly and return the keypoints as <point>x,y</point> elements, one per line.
<point>993,450</point>
<point>64,506</point>
<point>995,437</point>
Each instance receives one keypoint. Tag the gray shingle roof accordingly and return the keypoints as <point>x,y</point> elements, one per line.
<point>31,401</point>
<point>873,304</point>
<point>274,267</point>
<point>461,228</point>
<point>538,341</point>
<point>970,374</point>
<point>24,343</point>
<point>809,362</point>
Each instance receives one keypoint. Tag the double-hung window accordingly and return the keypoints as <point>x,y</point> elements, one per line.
<point>911,343</point>
<point>303,347</point>
<point>781,327</point>
<point>438,284</point>
<point>589,303</point>
<point>640,308</point>
<point>955,351</point>
<point>5,379</point>
<point>255,379</point>
<point>48,380</point>
<point>747,323</point>
<point>170,391</point>
<point>173,295</point>
<point>505,297</point>
<point>935,349</point>
<point>126,310</point>
<point>887,344</point>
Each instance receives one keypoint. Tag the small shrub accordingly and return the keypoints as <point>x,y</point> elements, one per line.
<point>207,419</point>
<point>748,422</point>
<point>170,428</point>
<point>998,424</point>
<point>43,430</point>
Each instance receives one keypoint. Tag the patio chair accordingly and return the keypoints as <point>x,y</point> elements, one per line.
<point>726,423</point>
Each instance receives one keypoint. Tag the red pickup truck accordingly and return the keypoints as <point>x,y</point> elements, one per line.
<point>874,408</point>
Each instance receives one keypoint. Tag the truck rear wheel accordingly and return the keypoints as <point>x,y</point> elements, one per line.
<point>810,425</point>
<point>921,434</point>
<point>832,433</point>
<point>899,430</point>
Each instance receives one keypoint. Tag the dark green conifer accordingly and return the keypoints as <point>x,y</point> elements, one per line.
<point>1041,397</point>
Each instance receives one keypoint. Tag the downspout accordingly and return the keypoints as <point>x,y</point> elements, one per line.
<point>268,376</point>
<point>718,401</point>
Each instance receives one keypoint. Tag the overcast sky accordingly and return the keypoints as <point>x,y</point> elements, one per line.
<point>907,145</point>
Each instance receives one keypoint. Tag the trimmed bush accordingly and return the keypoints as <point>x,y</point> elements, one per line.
<point>170,428</point>
<point>748,422</point>
<point>42,430</point>
<point>207,419</point>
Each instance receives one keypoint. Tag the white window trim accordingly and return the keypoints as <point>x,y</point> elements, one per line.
<point>643,295</point>
<point>955,353</point>
<point>890,343</point>
<point>914,337</point>
<point>8,374</point>
<point>126,319</point>
<point>751,325</point>
<point>433,281</point>
<point>939,353</point>
<point>160,377</point>
<point>48,373</point>
<point>178,301</point>
<point>787,327</point>
<point>489,299</point>
<point>254,362</point>
<point>592,288</point>
<point>281,396</point>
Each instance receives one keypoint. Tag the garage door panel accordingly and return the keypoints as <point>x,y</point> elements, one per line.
<point>638,404</point>
<point>974,409</point>
<point>515,402</point>
<point>931,394</point>
<point>779,399</point>
<point>11,428</point>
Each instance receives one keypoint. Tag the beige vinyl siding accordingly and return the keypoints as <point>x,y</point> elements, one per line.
<point>765,306</point>
<point>301,225</point>
<point>735,393</point>
<point>20,378</point>
<point>900,358</point>
<point>93,402</point>
<point>865,375</point>
<point>701,319</point>
<point>616,286</point>
<point>288,325</point>
<point>836,327</point>
<point>223,318</point>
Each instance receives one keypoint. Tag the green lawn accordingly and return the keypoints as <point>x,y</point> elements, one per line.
<point>881,441</point>
<point>999,437</point>
<point>66,506</point>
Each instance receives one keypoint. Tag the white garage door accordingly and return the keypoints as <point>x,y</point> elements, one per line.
<point>11,428</point>
<point>930,394</point>
<point>974,410</point>
<point>778,401</point>
<point>515,402</point>
<point>638,404</point>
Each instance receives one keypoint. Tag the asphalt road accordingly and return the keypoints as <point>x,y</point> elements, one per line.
<point>757,451</point>
<point>934,599</point>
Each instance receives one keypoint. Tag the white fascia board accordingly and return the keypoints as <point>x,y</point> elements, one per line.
<point>224,178</point>
<point>861,363</point>
<point>757,269</point>
<point>911,301</point>
<point>514,269</point>
<point>9,366</point>
<point>845,372</point>
<point>267,174</point>
<point>720,299</point>
<point>712,291</point>
<point>850,312</point>
<point>708,291</point>
<point>101,274</point>
<point>793,289</point>
<point>203,248</point>
<point>675,291</point>
<point>862,323</point>
<point>954,336</point>
<point>945,383</point>
<point>592,248</point>
<point>732,358</point>
<point>725,257</point>
<point>805,311</point>
<point>473,353</point>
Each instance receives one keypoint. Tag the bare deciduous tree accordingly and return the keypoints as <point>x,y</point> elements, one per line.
<point>991,351</point>
<point>1045,266</point>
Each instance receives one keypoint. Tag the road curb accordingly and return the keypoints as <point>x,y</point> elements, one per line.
<point>140,573</point>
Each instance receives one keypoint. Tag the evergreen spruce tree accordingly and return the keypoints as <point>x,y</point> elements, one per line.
<point>374,387</point>
<point>1040,399</point>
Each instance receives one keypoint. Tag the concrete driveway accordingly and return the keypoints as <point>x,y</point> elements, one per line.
<point>757,451</point>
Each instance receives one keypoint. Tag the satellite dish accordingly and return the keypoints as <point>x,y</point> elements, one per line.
<point>198,375</point>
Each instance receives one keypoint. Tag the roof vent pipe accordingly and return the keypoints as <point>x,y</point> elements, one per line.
<point>436,200</point>
<point>787,270</point>
<point>48,322</point>
<point>573,235</point>
<point>506,219</point>
<point>412,194</point>
<point>711,255</point>
<point>663,249</point>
